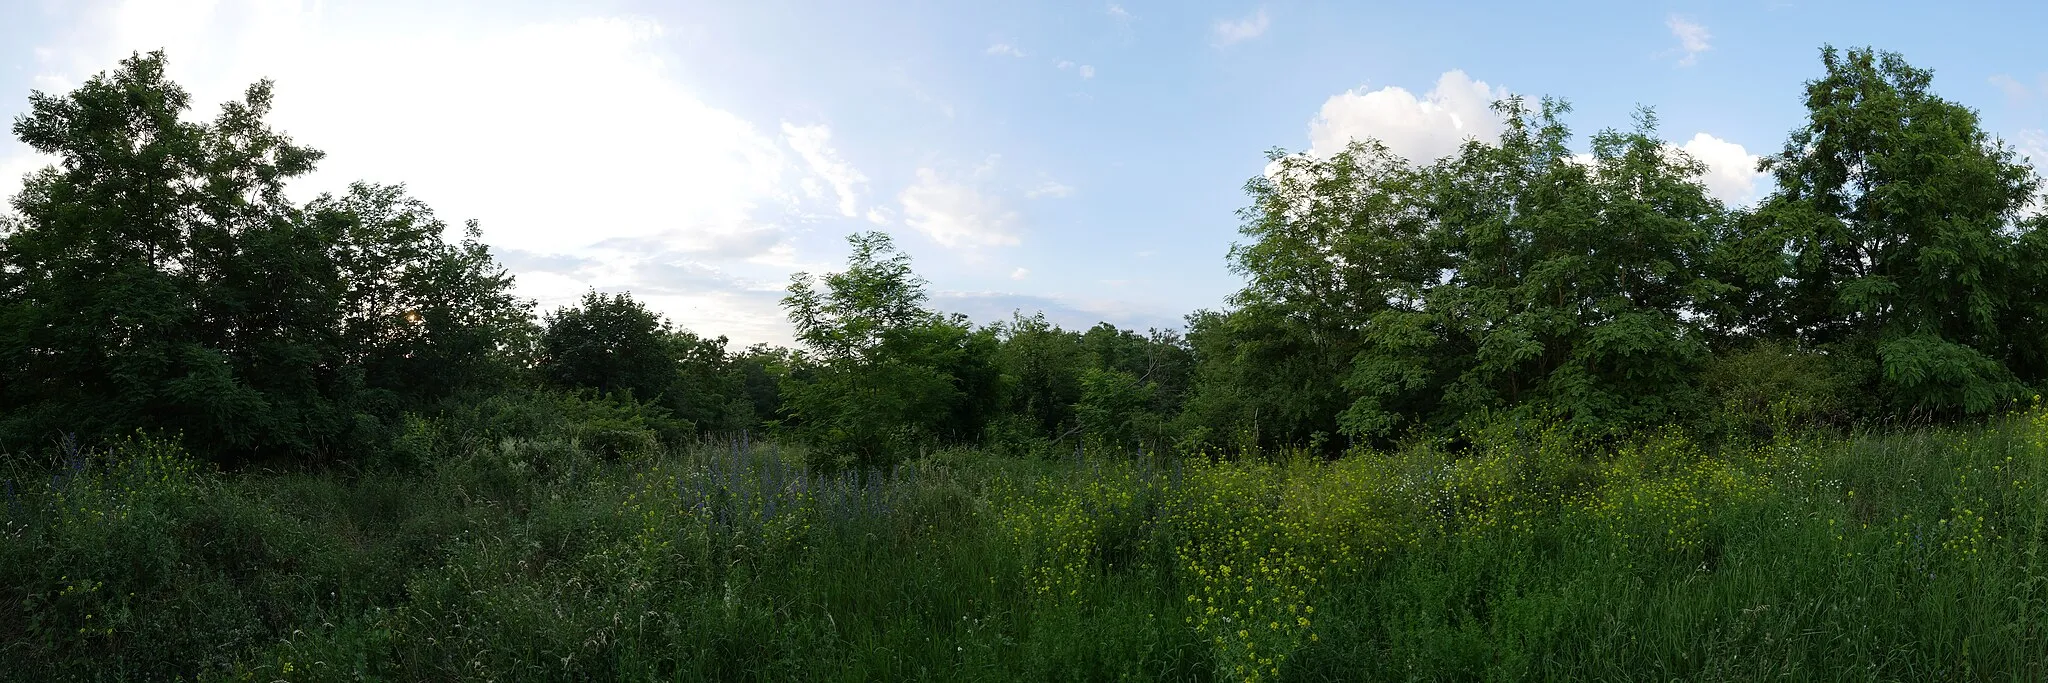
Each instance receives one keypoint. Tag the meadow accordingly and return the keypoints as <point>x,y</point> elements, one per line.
<point>1514,554</point>
<point>1519,412</point>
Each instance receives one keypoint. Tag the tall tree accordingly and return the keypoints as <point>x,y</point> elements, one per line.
<point>1898,219</point>
<point>159,278</point>
<point>886,373</point>
<point>1565,288</point>
<point>610,343</point>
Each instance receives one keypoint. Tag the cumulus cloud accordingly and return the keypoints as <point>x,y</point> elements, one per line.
<point>1118,12</point>
<point>1007,50</point>
<point>957,214</point>
<point>1731,170</point>
<point>1693,39</point>
<point>1233,31</point>
<point>1422,128</point>
<point>1434,125</point>
<point>1087,71</point>
<point>1020,273</point>
<point>813,143</point>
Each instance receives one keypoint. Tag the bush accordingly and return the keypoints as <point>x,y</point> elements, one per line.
<point>1772,386</point>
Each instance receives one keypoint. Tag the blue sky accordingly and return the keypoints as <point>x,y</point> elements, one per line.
<point>1084,158</point>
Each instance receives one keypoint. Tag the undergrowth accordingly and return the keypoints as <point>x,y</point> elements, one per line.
<point>1526,554</point>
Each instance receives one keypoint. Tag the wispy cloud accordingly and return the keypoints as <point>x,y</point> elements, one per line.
<point>957,214</point>
<point>1231,32</point>
<point>1006,49</point>
<point>1050,188</point>
<point>2012,87</point>
<point>814,144</point>
<point>1693,39</point>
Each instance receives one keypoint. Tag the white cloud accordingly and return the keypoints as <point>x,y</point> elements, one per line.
<point>1020,273</point>
<point>1064,65</point>
<point>956,214</point>
<point>2033,144</point>
<point>1050,188</point>
<point>814,144</point>
<point>1692,38</point>
<point>1731,170</point>
<point>556,135</point>
<point>1006,49</point>
<point>2012,87</point>
<point>1230,32</point>
<point>1118,12</point>
<point>1421,129</point>
<point>880,215</point>
<point>1087,71</point>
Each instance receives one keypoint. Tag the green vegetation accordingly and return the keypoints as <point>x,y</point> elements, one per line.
<point>1915,556</point>
<point>1516,413</point>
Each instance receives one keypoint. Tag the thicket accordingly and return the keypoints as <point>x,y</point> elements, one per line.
<point>1522,411</point>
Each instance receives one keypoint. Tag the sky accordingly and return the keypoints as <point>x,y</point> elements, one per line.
<point>1085,159</point>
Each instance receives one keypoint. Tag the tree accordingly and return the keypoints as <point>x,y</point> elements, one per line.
<point>1512,277</point>
<point>427,321</point>
<point>1044,365</point>
<point>613,344</point>
<point>134,292</point>
<point>884,374</point>
<point>1565,291</point>
<point>1333,243</point>
<point>1897,219</point>
<point>158,277</point>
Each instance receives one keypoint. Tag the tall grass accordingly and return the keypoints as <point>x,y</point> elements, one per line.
<point>1900,556</point>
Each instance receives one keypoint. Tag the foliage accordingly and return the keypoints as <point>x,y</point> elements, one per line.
<point>610,343</point>
<point>1517,413</point>
<point>1772,385</point>
<point>1530,553</point>
<point>1898,219</point>
<point>158,278</point>
<point>888,375</point>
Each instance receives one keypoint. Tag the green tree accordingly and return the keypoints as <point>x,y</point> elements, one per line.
<point>427,321</point>
<point>1565,289</point>
<point>158,277</point>
<point>1332,242</point>
<point>613,344</point>
<point>1897,219</point>
<point>1044,365</point>
<point>884,374</point>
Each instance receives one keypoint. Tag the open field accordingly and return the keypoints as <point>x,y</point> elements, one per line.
<point>1906,556</point>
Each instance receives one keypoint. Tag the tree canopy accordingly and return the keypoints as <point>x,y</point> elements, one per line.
<point>158,277</point>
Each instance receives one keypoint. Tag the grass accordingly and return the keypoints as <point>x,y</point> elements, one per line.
<point>1525,555</point>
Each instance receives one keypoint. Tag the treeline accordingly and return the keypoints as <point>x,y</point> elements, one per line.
<point>157,278</point>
